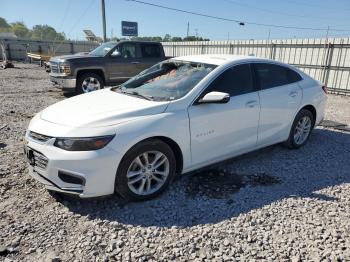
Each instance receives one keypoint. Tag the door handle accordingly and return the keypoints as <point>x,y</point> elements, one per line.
<point>251,103</point>
<point>135,62</point>
<point>293,94</point>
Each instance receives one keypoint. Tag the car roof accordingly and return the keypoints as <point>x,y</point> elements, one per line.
<point>217,59</point>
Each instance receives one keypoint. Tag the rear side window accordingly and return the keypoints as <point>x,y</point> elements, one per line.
<point>270,75</point>
<point>235,81</point>
<point>150,50</point>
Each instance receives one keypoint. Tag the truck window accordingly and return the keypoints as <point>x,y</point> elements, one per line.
<point>128,50</point>
<point>150,50</point>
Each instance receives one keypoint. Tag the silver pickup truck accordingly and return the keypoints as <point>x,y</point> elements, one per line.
<point>109,64</point>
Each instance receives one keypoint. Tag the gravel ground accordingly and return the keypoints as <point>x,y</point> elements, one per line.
<point>274,204</point>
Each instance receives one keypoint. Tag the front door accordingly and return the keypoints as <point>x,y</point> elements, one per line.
<point>219,130</point>
<point>125,65</point>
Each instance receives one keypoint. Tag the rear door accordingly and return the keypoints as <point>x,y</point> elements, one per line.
<point>151,53</point>
<point>219,130</point>
<point>125,65</point>
<point>280,97</point>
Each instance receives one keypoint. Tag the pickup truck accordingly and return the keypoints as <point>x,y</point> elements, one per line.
<point>109,64</point>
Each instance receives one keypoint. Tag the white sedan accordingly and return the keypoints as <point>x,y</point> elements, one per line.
<point>177,116</point>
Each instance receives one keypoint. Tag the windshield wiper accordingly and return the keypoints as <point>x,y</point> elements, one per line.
<point>134,93</point>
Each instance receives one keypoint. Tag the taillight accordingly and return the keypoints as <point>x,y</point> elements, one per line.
<point>324,88</point>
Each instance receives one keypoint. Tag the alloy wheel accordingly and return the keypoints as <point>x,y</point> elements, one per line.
<point>148,172</point>
<point>302,130</point>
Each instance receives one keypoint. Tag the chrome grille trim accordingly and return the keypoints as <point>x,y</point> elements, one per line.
<point>54,67</point>
<point>39,137</point>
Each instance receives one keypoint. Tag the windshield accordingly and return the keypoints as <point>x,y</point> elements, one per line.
<point>103,49</point>
<point>169,80</point>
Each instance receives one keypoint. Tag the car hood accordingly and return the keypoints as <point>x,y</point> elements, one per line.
<point>100,108</point>
<point>63,58</point>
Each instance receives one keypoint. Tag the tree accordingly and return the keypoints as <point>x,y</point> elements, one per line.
<point>4,26</point>
<point>20,29</point>
<point>46,32</point>
<point>195,38</point>
<point>167,38</point>
<point>176,39</point>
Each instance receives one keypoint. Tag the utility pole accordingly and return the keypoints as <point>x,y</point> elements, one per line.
<point>103,20</point>
<point>188,28</point>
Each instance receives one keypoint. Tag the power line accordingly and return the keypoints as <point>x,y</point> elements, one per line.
<point>240,22</point>
<point>274,11</point>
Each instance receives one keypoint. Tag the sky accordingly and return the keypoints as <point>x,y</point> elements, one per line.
<point>72,16</point>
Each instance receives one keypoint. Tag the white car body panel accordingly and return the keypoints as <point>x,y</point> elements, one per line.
<point>205,133</point>
<point>216,129</point>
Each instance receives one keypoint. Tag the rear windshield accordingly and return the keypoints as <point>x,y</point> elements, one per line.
<point>167,81</point>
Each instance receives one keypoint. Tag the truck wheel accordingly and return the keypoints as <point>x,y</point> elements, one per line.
<point>89,82</point>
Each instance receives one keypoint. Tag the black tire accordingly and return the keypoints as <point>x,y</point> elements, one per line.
<point>121,181</point>
<point>81,78</point>
<point>291,143</point>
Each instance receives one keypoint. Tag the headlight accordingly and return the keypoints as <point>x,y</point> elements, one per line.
<point>65,68</point>
<point>83,144</point>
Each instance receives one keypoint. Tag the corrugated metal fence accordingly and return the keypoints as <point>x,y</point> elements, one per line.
<point>16,49</point>
<point>326,60</point>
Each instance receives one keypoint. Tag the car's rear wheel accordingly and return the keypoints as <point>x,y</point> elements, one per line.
<point>89,82</point>
<point>146,170</point>
<point>301,129</point>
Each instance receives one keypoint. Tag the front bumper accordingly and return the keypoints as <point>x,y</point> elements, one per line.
<point>63,82</point>
<point>96,168</point>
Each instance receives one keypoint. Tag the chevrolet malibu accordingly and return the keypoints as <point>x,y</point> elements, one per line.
<point>177,116</point>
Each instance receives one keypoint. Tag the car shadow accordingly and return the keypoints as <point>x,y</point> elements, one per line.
<point>235,186</point>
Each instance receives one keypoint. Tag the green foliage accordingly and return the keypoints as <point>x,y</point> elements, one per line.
<point>44,32</point>
<point>4,25</point>
<point>20,29</point>
<point>195,38</point>
<point>147,38</point>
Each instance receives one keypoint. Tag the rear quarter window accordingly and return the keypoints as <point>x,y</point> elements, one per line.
<point>272,75</point>
<point>150,50</point>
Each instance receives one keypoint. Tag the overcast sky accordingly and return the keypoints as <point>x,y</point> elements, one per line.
<point>72,16</point>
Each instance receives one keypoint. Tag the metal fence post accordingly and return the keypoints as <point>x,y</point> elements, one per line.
<point>273,51</point>
<point>8,51</point>
<point>230,49</point>
<point>202,49</point>
<point>328,63</point>
<point>71,48</point>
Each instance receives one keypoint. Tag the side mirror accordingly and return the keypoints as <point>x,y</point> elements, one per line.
<point>115,53</point>
<point>215,98</point>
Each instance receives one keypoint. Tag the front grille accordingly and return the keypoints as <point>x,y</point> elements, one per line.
<point>54,67</point>
<point>40,160</point>
<point>39,137</point>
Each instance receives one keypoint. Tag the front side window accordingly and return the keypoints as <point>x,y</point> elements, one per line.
<point>127,50</point>
<point>235,81</point>
<point>166,81</point>
<point>103,49</point>
<point>271,75</point>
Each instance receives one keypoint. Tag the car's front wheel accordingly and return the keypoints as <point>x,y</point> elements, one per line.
<point>146,170</point>
<point>301,129</point>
